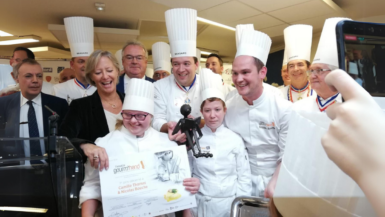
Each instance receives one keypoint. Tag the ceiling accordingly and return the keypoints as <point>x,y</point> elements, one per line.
<point>144,20</point>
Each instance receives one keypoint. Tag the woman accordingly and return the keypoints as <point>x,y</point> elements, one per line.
<point>95,116</point>
<point>227,174</point>
<point>133,134</point>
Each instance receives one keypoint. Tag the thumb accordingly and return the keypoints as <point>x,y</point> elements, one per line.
<point>331,111</point>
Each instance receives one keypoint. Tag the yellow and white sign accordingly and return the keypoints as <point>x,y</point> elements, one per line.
<point>146,183</point>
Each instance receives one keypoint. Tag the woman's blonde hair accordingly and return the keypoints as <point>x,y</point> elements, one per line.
<point>93,61</point>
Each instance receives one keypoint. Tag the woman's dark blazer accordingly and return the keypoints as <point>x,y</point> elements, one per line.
<point>85,121</point>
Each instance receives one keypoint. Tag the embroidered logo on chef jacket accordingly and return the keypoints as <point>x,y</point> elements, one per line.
<point>205,149</point>
<point>266,126</point>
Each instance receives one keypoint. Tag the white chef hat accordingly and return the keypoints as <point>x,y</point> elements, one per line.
<point>161,56</point>
<point>211,85</point>
<point>353,68</point>
<point>254,43</point>
<point>198,55</point>
<point>298,42</point>
<point>139,96</point>
<point>80,34</point>
<point>181,26</point>
<point>327,47</point>
<point>239,29</point>
<point>118,56</point>
<point>284,61</point>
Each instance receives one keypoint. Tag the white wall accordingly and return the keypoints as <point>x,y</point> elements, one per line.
<point>50,69</point>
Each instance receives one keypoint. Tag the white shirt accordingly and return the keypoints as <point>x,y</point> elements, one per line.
<point>297,96</point>
<point>168,98</point>
<point>120,142</point>
<point>71,90</point>
<point>272,89</point>
<point>263,126</point>
<point>47,88</point>
<point>24,129</point>
<point>227,88</point>
<point>5,76</point>
<point>127,79</point>
<point>112,119</point>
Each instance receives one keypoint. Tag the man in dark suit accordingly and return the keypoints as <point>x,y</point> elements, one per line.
<point>134,61</point>
<point>23,114</point>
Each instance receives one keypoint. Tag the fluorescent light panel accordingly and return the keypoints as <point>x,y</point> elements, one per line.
<point>205,52</point>
<point>23,209</point>
<point>2,34</point>
<point>215,23</point>
<point>38,49</point>
<point>18,41</point>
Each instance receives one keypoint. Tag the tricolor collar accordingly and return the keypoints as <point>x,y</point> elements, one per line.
<point>299,90</point>
<point>324,104</point>
<point>183,87</point>
<point>77,82</point>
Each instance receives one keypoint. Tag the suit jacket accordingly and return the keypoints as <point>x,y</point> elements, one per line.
<point>10,119</point>
<point>10,113</point>
<point>85,121</point>
<point>120,85</point>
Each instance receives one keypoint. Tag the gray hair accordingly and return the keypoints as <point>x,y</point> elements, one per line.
<point>16,68</point>
<point>136,43</point>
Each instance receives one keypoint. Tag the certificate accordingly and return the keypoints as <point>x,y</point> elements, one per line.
<point>146,183</point>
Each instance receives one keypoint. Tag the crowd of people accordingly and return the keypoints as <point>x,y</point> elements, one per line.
<point>104,112</point>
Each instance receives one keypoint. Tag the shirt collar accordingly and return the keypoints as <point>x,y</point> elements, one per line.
<point>36,100</point>
<point>260,98</point>
<point>126,78</point>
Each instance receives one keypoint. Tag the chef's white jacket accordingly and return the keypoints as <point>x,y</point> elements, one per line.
<point>224,176</point>
<point>263,126</point>
<point>116,143</point>
<point>69,90</point>
<point>227,88</point>
<point>272,89</point>
<point>169,98</point>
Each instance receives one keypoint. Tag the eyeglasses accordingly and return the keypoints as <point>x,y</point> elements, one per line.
<point>161,75</point>
<point>138,58</point>
<point>317,71</point>
<point>138,117</point>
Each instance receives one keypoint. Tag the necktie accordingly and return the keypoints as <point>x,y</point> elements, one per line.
<point>33,129</point>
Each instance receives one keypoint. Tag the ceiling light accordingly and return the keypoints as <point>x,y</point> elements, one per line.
<point>203,59</point>
<point>215,23</point>
<point>9,40</point>
<point>2,34</point>
<point>38,49</point>
<point>23,209</point>
<point>100,6</point>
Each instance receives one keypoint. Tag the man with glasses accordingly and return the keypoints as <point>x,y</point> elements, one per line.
<point>134,59</point>
<point>325,61</point>
<point>161,60</point>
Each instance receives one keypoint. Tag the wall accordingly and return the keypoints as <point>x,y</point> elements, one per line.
<point>51,69</point>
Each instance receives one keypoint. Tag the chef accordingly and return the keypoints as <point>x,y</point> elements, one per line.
<point>238,33</point>
<point>161,60</point>
<point>259,116</point>
<point>132,135</point>
<point>215,63</point>
<point>227,174</point>
<point>284,73</point>
<point>325,61</point>
<point>318,186</point>
<point>183,86</point>
<point>80,34</point>
<point>298,40</point>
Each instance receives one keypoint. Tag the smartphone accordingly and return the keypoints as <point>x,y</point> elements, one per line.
<point>361,53</point>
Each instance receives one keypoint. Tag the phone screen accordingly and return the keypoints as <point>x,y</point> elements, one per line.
<point>362,54</point>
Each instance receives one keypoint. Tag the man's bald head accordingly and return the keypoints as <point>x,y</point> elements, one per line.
<point>66,74</point>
